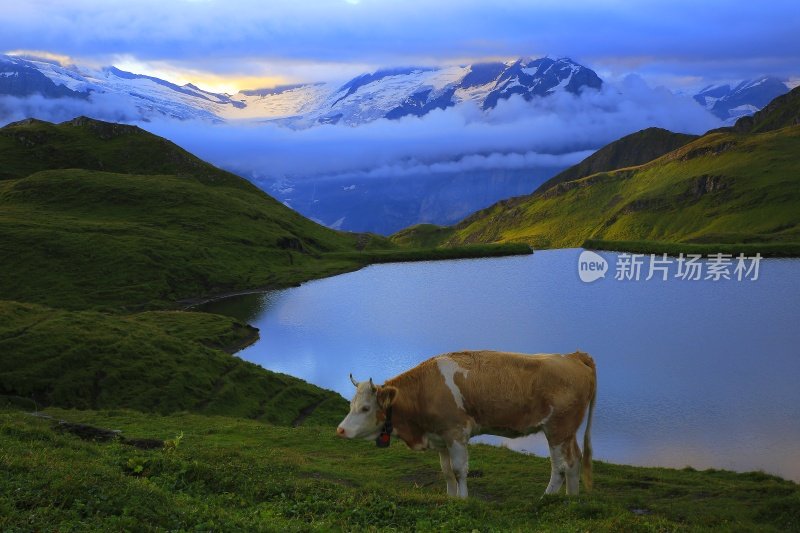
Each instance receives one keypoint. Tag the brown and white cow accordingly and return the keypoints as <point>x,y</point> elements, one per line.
<point>449,398</point>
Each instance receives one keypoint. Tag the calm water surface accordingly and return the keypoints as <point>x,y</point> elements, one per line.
<point>696,373</point>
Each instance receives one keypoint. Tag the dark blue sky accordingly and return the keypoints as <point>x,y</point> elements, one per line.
<point>248,42</point>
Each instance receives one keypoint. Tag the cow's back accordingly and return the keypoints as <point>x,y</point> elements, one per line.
<point>517,393</point>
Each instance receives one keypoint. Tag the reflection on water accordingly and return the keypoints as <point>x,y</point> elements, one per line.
<point>246,307</point>
<point>693,373</point>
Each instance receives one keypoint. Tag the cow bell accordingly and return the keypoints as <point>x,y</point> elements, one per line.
<point>383,440</point>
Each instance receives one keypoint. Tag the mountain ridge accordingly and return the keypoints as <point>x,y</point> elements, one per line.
<point>631,150</point>
<point>32,145</point>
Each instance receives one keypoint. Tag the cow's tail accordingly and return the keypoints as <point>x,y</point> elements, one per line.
<point>586,462</point>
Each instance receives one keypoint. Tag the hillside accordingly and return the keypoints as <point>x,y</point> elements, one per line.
<point>99,215</point>
<point>629,151</point>
<point>159,362</point>
<point>231,474</point>
<point>32,145</point>
<point>723,188</point>
<point>88,239</point>
<point>728,187</point>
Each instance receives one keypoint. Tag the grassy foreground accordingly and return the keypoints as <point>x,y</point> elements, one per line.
<point>234,475</point>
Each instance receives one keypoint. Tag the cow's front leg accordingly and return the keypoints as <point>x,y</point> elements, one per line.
<point>459,461</point>
<point>447,470</point>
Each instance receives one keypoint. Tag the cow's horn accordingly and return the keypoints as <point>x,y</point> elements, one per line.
<point>353,380</point>
<point>371,384</point>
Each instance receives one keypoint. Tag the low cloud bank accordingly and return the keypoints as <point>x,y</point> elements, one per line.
<point>109,107</point>
<point>558,130</point>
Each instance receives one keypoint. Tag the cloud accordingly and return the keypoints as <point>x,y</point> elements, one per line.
<point>103,106</point>
<point>555,131</point>
<point>728,39</point>
<point>469,163</point>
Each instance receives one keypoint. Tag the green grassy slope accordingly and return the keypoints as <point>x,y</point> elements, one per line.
<point>422,235</point>
<point>108,216</point>
<point>238,475</point>
<point>634,149</point>
<point>629,151</point>
<point>722,188</point>
<point>32,145</point>
<point>158,361</point>
<point>82,239</point>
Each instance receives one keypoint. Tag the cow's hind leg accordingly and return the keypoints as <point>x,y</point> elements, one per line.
<point>565,464</point>
<point>459,461</point>
<point>447,470</point>
<point>556,470</point>
<point>573,465</point>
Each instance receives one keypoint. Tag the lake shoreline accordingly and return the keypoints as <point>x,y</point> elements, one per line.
<point>365,259</point>
<point>767,250</point>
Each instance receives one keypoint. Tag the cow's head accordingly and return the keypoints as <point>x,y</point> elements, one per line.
<point>367,410</point>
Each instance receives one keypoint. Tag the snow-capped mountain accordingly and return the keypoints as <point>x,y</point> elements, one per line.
<point>396,93</point>
<point>24,78</point>
<point>747,97</point>
<point>390,93</point>
<point>145,96</point>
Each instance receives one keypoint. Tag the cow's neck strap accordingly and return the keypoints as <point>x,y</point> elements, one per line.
<point>385,436</point>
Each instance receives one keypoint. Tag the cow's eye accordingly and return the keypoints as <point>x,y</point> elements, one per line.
<point>365,408</point>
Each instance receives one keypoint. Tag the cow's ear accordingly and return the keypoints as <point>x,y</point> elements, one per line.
<point>386,396</point>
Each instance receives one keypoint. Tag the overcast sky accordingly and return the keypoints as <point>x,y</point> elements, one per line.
<point>232,44</point>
